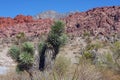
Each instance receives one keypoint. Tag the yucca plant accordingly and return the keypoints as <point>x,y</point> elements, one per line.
<point>24,55</point>
<point>26,58</point>
<point>28,47</point>
<point>56,36</point>
<point>14,52</point>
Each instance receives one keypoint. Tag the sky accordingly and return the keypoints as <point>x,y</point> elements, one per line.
<point>11,8</point>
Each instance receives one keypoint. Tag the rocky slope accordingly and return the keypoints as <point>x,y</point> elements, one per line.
<point>104,21</point>
<point>98,21</point>
<point>10,27</point>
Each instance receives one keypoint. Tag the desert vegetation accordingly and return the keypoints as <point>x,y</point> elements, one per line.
<point>54,62</point>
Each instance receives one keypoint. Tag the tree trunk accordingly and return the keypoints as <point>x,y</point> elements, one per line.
<point>49,61</point>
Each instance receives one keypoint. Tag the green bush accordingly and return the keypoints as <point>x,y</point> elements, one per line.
<point>87,55</point>
<point>28,47</point>
<point>14,52</point>
<point>109,58</point>
<point>26,58</point>
<point>116,50</point>
<point>86,34</point>
<point>117,44</point>
<point>95,46</point>
<point>20,38</point>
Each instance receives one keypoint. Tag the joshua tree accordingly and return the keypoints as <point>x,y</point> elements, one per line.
<point>24,58</point>
<point>55,39</point>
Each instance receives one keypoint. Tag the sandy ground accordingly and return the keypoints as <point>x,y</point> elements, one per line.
<point>5,59</point>
<point>72,49</point>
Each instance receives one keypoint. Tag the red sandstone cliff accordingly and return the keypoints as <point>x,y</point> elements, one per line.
<point>103,21</point>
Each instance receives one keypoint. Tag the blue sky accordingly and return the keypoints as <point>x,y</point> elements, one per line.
<point>32,7</point>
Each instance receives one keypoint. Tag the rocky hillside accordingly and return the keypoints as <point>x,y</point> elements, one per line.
<point>98,21</point>
<point>104,21</point>
<point>10,27</point>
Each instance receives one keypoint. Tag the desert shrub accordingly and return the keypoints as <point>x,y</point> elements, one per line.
<point>86,71</point>
<point>86,34</point>
<point>20,38</point>
<point>106,60</point>
<point>88,55</point>
<point>20,35</point>
<point>116,50</point>
<point>109,58</point>
<point>61,65</point>
<point>28,47</point>
<point>116,54</point>
<point>14,52</point>
<point>89,51</point>
<point>117,44</point>
<point>95,46</point>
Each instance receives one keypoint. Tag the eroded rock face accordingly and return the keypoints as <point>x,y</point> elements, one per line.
<point>10,27</point>
<point>98,21</point>
<point>104,21</point>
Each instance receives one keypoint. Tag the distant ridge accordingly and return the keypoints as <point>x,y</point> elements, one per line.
<point>50,14</point>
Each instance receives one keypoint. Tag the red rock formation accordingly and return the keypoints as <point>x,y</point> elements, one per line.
<point>10,27</point>
<point>105,21</point>
<point>97,21</point>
